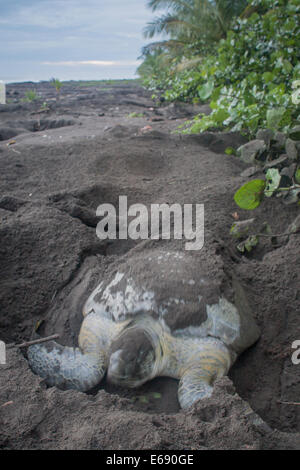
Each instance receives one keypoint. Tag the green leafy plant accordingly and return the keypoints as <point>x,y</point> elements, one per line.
<point>251,77</point>
<point>280,161</point>
<point>296,94</point>
<point>251,194</point>
<point>230,151</point>
<point>248,244</point>
<point>30,95</point>
<point>256,68</point>
<point>57,84</point>
<point>273,179</point>
<point>136,115</point>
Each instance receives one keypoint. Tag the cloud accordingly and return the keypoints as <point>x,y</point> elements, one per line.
<point>129,35</point>
<point>41,33</point>
<point>97,63</point>
<point>57,14</point>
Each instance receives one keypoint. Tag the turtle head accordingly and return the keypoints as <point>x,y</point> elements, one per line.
<point>135,355</point>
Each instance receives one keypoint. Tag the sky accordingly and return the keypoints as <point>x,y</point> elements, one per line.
<point>71,39</point>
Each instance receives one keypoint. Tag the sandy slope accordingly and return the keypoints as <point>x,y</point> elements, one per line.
<point>84,150</point>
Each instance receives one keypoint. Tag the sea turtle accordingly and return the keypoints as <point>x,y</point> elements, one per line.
<point>157,313</point>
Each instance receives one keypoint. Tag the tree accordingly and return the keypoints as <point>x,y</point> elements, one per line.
<point>191,24</point>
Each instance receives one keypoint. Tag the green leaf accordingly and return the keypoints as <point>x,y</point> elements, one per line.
<point>273,181</point>
<point>206,90</point>
<point>267,77</point>
<point>248,244</point>
<point>220,115</point>
<point>156,395</point>
<point>213,105</point>
<point>250,195</point>
<point>230,151</point>
<point>287,66</point>
<point>266,228</point>
<point>241,229</point>
<point>294,134</point>
<point>297,176</point>
<point>292,197</point>
<point>274,117</point>
<point>143,399</point>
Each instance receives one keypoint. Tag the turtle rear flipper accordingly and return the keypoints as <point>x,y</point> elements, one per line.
<point>66,367</point>
<point>196,383</point>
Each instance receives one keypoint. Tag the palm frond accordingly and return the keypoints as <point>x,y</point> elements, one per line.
<point>165,45</point>
<point>174,5</point>
<point>162,24</point>
<point>188,63</point>
<point>193,21</point>
<point>175,26</point>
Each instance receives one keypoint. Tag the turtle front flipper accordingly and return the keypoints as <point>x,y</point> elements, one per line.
<point>196,382</point>
<point>76,368</point>
<point>66,367</point>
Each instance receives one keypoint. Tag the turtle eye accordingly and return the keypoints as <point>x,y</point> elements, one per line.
<point>146,364</point>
